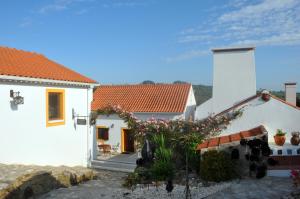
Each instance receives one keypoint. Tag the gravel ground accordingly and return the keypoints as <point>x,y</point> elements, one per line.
<point>109,185</point>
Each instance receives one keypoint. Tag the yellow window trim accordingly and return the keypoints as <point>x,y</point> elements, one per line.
<point>122,139</point>
<point>101,127</point>
<point>59,121</point>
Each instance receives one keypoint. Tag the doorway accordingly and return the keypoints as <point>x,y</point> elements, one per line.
<point>127,141</point>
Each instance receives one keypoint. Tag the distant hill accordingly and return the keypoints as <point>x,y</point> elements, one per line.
<point>202,93</point>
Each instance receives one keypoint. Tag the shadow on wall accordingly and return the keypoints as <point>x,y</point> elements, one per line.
<point>13,106</point>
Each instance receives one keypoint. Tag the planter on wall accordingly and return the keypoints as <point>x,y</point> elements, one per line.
<point>279,139</point>
<point>295,140</point>
<point>265,95</point>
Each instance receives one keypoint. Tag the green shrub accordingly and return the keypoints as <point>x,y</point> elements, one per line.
<point>193,157</point>
<point>141,175</point>
<point>131,180</point>
<point>217,166</point>
<point>162,168</point>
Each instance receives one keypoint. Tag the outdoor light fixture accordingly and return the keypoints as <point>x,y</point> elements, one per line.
<point>17,99</point>
<point>112,126</point>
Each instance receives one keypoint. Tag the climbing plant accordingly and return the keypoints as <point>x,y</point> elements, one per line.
<point>184,132</point>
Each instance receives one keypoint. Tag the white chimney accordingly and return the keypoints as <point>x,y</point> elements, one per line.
<point>234,77</point>
<point>290,93</point>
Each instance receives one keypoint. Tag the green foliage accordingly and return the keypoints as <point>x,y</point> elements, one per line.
<point>217,166</point>
<point>148,82</point>
<point>193,156</point>
<point>280,132</point>
<point>180,82</point>
<point>162,168</point>
<point>202,93</point>
<point>141,175</point>
<point>131,180</point>
<point>162,153</point>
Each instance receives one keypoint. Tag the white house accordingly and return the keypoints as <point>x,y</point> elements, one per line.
<point>161,101</point>
<point>234,87</point>
<point>44,110</point>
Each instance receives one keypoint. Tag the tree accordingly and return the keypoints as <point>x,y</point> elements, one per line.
<point>148,82</point>
<point>178,133</point>
<point>180,82</point>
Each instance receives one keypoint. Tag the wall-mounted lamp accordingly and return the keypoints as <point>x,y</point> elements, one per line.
<point>112,126</point>
<point>17,99</point>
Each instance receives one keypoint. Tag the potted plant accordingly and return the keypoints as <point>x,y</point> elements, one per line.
<point>265,95</point>
<point>295,139</point>
<point>279,137</point>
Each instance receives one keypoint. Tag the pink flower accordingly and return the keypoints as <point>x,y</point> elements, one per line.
<point>295,173</point>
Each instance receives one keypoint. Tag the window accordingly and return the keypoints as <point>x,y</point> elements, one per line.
<point>55,107</point>
<point>102,133</point>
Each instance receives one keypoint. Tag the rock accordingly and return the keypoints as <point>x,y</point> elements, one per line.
<point>29,181</point>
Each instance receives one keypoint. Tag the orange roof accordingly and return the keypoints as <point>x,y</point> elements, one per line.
<point>217,141</point>
<point>20,63</point>
<point>143,97</point>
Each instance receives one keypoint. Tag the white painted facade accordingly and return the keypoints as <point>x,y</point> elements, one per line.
<point>116,124</point>
<point>234,79</point>
<point>25,138</point>
<point>273,115</point>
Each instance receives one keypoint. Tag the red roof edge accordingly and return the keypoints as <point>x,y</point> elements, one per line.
<point>253,97</point>
<point>281,100</point>
<point>235,137</point>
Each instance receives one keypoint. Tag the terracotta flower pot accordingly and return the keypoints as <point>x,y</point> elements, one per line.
<point>279,139</point>
<point>265,97</point>
<point>295,140</point>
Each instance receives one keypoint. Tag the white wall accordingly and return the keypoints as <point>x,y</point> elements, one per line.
<point>115,131</point>
<point>272,114</point>
<point>234,77</point>
<point>25,139</point>
<point>190,106</point>
<point>118,123</point>
<point>204,110</point>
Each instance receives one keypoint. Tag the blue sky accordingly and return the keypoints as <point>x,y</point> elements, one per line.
<point>128,41</point>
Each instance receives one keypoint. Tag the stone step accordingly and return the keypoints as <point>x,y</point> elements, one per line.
<point>113,166</point>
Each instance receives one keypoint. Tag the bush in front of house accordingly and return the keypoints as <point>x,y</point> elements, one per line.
<point>162,168</point>
<point>217,166</point>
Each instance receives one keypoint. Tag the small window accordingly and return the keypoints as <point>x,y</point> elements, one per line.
<point>289,151</point>
<point>102,134</point>
<point>55,107</point>
<point>279,152</point>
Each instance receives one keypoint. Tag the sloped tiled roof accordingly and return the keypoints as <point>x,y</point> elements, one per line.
<point>252,98</point>
<point>236,137</point>
<point>143,97</point>
<point>21,63</point>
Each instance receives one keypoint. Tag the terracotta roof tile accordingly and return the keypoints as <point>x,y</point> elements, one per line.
<point>21,63</point>
<point>143,97</point>
<point>235,137</point>
<point>203,145</point>
<point>215,142</point>
<point>225,139</point>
